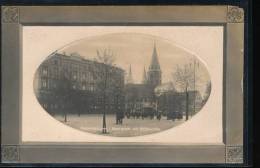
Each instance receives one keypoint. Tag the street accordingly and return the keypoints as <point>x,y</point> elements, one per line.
<point>131,127</point>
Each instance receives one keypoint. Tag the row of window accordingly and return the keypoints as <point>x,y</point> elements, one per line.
<point>74,76</point>
<point>46,85</point>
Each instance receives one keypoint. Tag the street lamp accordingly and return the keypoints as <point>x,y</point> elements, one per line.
<point>107,73</point>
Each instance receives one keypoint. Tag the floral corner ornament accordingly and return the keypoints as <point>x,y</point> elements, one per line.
<point>235,14</point>
<point>10,14</point>
<point>234,154</point>
<point>9,153</point>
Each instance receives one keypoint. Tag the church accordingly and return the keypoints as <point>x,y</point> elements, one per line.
<point>140,98</point>
<point>154,98</point>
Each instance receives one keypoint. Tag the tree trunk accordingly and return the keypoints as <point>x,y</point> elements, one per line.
<point>104,129</point>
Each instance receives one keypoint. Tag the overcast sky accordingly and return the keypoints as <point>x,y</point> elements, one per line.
<point>136,49</point>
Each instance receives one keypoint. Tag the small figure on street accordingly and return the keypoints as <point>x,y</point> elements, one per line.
<point>159,116</point>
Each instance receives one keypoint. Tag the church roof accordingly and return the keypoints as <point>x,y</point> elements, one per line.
<point>137,91</point>
<point>165,88</point>
<point>154,62</point>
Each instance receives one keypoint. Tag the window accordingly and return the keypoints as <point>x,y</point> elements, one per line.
<point>90,77</point>
<point>45,105</point>
<point>44,71</point>
<point>91,88</point>
<point>83,76</point>
<point>55,72</point>
<point>44,84</point>
<point>83,87</point>
<point>94,77</point>
<point>55,62</point>
<point>74,86</point>
<point>74,75</point>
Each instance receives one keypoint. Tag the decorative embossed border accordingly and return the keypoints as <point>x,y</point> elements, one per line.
<point>235,14</point>
<point>234,154</point>
<point>9,153</point>
<point>10,14</point>
<point>230,152</point>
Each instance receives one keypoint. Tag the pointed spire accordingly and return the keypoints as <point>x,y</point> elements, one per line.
<point>144,77</point>
<point>129,76</point>
<point>154,73</point>
<point>154,62</point>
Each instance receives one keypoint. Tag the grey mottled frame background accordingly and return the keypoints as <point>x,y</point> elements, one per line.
<point>14,17</point>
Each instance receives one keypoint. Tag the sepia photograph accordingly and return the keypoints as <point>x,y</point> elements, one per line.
<point>122,84</point>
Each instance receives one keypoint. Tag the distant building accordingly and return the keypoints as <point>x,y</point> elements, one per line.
<point>195,101</point>
<point>152,97</point>
<point>72,84</point>
<point>139,97</point>
<point>172,103</point>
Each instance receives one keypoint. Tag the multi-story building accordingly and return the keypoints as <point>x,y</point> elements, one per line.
<point>72,84</point>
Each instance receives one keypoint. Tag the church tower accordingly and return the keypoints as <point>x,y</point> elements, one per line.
<point>154,73</point>
<point>129,78</point>
<point>144,81</point>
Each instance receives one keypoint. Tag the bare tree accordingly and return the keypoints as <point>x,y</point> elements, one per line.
<point>106,58</point>
<point>183,78</point>
<point>63,92</point>
<point>207,92</point>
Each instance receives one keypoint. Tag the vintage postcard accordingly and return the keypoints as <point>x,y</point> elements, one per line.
<point>124,83</point>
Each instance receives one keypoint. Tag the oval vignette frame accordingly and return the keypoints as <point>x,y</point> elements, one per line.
<point>73,86</point>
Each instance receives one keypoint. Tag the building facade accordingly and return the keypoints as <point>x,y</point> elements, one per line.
<point>175,105</point>
<point>71,84</point>
<point>140,98</point>
<point>154,98</point>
